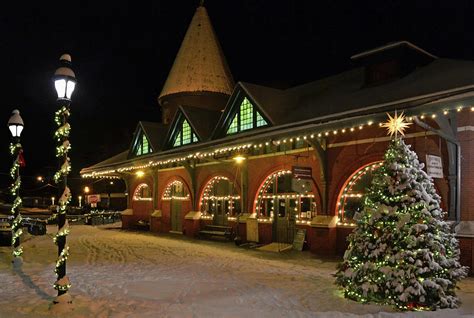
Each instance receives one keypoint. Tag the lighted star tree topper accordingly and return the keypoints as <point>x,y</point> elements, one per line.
<point>396,124</point>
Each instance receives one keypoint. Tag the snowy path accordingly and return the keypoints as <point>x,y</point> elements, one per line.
<point>123,274</point>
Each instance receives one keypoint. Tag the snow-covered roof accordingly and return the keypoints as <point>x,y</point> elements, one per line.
<point>391,46</point>
<point>200,65</point>
<point>340,97</point>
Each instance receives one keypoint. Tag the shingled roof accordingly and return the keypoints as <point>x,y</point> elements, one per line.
<point>156,133</point>
<point>202,120</point>
<point>200,65</point>
<point>345,92</point>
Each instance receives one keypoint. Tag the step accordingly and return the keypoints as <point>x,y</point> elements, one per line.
<point>216,233</point>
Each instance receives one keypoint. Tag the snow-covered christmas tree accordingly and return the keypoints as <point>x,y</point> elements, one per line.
<point>402,252</point>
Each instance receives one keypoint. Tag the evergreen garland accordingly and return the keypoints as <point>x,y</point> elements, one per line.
<point>15,151</point>
<point>61,135</point>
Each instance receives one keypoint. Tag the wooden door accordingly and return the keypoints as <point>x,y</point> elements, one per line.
<point>176,219</point>
<point>219,213</point>
<point>285,221</point>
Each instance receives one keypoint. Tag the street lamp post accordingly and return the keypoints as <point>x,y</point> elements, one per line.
<point>240,160</point>
<point>15,125</point>
<point>64,83</point>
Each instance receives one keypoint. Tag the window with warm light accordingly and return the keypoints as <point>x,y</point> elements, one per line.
<point>142,193</point>
<point>284,196</point>
<point>220,197</point>
<point>175,190</point>
<point>351,197</point>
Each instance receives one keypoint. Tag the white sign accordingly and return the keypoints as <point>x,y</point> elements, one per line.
<point>434,166</point>
<point>93,198</point>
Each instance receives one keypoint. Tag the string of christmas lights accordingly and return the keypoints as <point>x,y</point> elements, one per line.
<point>15,151</point>
<point>63,147</point>
<point>109,173</point>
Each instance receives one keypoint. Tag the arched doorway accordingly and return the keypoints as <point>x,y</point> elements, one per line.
<point>142,203</point>
<point>220,200</point>
<point>176,193</point>
<point>286,201</point>
<point>350,200</point>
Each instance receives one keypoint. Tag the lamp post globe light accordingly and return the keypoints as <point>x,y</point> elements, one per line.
<point>15,125</point>
<point>64,82</point>
<point>64,78</point>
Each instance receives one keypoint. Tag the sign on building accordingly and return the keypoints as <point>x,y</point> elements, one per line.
<point>299,239</point>
<point>93,198</point>
<point>434,166</point>
<point>302,172</point>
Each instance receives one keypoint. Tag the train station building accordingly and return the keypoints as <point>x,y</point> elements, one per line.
<point>264,163</point>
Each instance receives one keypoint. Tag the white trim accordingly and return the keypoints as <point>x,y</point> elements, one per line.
<point>389,46</point>
<point>172,168</point>
<point>466,128</point>
<point>334,145</point>
<point>379,139</point>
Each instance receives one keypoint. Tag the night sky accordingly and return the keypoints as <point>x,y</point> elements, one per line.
<point>122,52</point>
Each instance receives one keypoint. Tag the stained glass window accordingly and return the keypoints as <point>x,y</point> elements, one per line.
<point>247,117</point>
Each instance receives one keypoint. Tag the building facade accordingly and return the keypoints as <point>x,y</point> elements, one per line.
<point>267,163</point>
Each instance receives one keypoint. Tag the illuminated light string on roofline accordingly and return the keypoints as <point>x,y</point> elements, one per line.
<point>106,174</point>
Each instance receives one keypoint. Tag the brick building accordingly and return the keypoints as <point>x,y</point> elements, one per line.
<point>266,162</point>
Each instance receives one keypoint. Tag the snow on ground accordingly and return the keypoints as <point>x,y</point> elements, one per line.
<point>117,273</point>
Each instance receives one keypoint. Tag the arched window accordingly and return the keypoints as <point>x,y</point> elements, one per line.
<point>220,196</point>
<point>350,199</point>
<point>175,190</point>
<point>142,193</point>
<point>282,194</point>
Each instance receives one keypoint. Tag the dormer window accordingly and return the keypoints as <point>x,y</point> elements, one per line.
<point>185,135</point>
<point>247,117</point>
<point>142,145</point>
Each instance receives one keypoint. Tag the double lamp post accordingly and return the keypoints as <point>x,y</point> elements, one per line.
<point>64,83</point>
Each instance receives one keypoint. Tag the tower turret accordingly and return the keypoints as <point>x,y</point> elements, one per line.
<point>199,76</point>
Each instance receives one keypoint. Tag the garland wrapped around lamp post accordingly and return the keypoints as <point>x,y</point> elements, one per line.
<point>15,125</point>
<point>64,82</point>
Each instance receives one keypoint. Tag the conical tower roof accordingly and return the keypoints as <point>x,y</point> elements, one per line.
<point>200,66</point>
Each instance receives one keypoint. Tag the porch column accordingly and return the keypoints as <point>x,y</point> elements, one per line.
<point>154,175</point>
<point>244,187</point>
<point>191,170</point>
<point>126,180</point>
<point>321,153</point>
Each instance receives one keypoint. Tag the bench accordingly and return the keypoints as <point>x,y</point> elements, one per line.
<point>210,231</point>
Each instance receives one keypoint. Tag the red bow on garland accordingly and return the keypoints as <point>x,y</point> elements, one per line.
<point>21,159</point>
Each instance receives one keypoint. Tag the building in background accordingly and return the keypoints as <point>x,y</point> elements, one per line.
<point>267,162</point>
